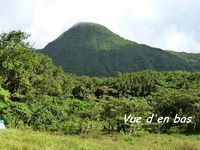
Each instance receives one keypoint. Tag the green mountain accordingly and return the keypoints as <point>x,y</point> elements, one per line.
<point>193,59</point>
<point>92,49</point>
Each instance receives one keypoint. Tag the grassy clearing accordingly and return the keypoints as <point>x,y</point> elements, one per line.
<point>31,140</point>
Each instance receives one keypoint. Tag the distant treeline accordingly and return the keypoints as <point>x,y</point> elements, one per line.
<point>36,94</point>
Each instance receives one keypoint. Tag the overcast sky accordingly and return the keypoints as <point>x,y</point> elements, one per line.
<point>167,24</point>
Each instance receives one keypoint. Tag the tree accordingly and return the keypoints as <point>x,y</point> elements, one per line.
<point>25,72</point>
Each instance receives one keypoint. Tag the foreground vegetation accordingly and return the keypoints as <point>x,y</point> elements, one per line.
<point>36,94</point>
<point>27,139</point>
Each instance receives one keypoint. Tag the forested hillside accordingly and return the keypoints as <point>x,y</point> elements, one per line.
<point>36,94</point>
<point>192,59</point>
<point>92,49</point>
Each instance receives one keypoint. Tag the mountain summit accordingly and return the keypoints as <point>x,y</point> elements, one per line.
<point>92,49</point>
<point>89,35</point>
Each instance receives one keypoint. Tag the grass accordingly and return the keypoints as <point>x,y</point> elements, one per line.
<point>32,140</point>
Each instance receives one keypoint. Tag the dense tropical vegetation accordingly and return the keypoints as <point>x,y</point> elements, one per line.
<point>92,49</point>
<point>36,94</point>
<point>191,58</point>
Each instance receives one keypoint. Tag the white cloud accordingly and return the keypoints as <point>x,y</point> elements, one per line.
<point>171,24</point>
<point>180,41</point>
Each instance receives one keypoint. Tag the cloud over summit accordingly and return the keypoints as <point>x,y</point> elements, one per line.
<point>171,24</point>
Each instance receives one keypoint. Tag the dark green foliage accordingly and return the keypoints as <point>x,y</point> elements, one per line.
<point>115,109</point>
<point>193,60</point>
<point>26,73</point>
<point>93,50</point>
<point>137,84</point>
<point>35,93</point>
<point>169,102</point>
<point>16,114</point>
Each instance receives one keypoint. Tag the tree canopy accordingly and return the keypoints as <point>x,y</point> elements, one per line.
<point>35,93</point>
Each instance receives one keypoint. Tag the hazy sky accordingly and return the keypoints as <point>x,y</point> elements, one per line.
<point>167,24</point>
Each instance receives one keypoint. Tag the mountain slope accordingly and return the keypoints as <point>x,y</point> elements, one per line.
<point>192,59</point>
<point>92,49</point>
